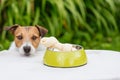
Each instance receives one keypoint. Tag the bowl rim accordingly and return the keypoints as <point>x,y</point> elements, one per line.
<point>78,47</point>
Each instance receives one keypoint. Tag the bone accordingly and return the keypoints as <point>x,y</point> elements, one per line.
<point>52,42</point>
<point>49,42</point>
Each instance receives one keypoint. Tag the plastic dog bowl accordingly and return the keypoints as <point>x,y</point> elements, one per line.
<point>65,59</point>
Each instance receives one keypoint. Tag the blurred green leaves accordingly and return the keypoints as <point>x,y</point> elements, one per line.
<point>86,22</point>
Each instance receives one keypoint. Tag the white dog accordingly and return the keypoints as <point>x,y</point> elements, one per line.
<point>26,39</point>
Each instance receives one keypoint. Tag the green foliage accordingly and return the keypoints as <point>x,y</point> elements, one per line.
<point>91,23</point>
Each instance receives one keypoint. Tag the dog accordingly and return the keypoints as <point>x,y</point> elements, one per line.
<point>26,38</point>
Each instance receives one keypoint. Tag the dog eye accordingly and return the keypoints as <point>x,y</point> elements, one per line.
<point>19,37</point>
<point>34,38</point>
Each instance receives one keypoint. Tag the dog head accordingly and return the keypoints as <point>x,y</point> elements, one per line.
<point>27,39</point>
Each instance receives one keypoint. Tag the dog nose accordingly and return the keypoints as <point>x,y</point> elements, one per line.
<point>27,49</point>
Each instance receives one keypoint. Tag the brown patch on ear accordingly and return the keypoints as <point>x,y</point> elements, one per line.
<point>41,30</point>
<point>12,28</point>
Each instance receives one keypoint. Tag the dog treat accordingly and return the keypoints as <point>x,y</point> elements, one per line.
<point>52,42</point>
<point>49,42</point>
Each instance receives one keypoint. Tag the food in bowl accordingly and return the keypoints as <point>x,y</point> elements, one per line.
<point>52,42</point>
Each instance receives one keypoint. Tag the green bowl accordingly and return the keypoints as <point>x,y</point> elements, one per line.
<point>65,59</point>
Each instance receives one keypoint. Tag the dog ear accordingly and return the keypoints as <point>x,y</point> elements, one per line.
<point>12,28</point>
<point>41,30</point>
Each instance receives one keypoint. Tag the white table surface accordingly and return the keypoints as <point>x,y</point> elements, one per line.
<point>102,65</point>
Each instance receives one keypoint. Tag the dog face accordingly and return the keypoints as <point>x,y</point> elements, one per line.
<point>27,39</point>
